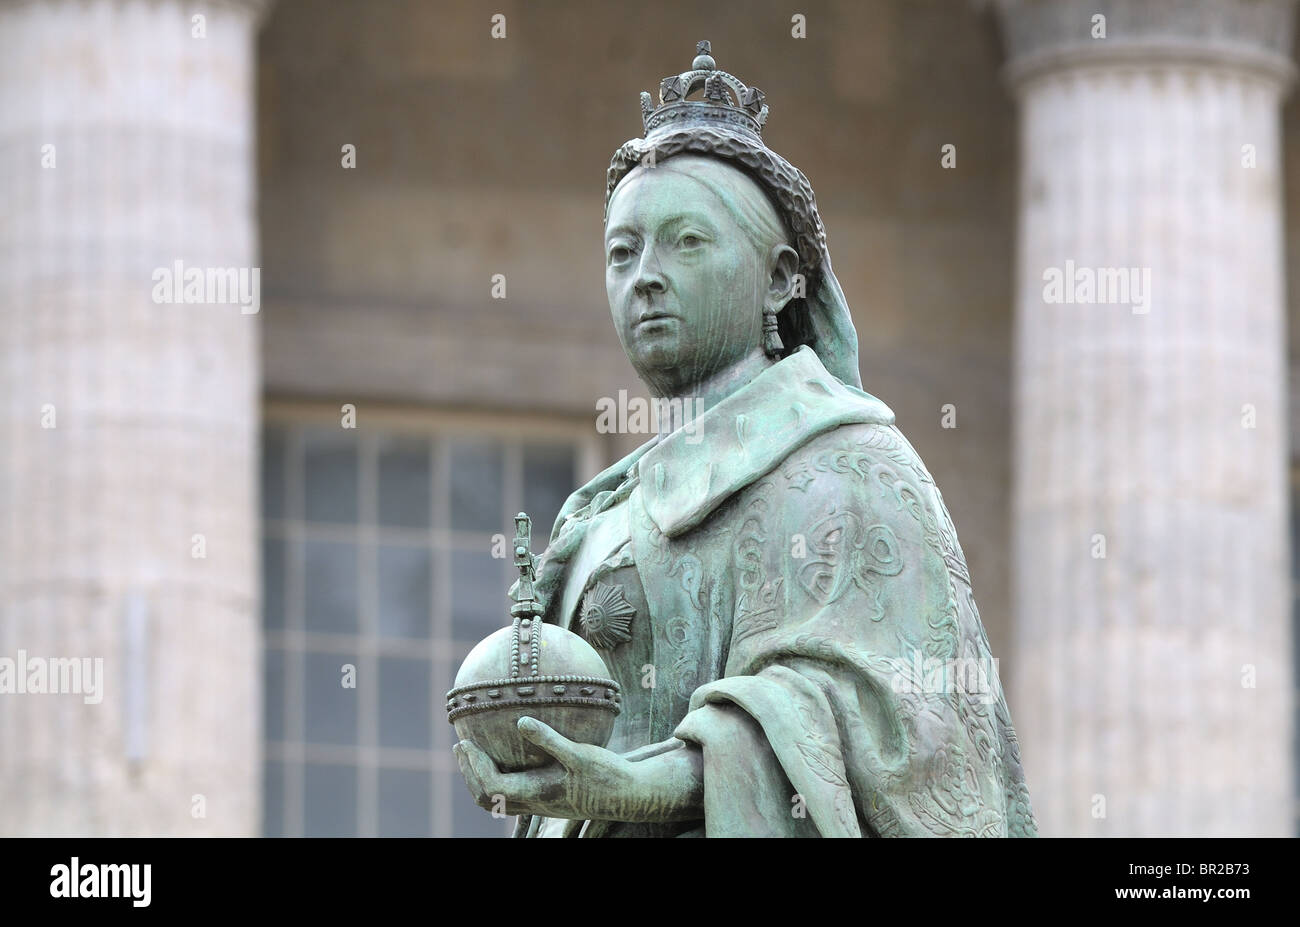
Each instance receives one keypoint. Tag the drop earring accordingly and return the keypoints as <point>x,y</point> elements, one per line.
<point>772,345</point>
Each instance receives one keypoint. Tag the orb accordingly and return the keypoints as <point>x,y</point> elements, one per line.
<point>535,670</point>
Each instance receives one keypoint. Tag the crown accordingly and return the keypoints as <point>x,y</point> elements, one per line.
<point>727,101</point>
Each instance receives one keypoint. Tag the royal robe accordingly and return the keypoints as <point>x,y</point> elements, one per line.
<point>801,612</point>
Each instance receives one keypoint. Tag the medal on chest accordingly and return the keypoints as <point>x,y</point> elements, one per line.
<point>606,615</point>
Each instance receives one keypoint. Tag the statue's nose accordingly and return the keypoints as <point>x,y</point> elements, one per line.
<point>647,285</point>
<point>649,278</point>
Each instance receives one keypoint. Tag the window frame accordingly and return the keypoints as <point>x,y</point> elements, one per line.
<point>376,422</point>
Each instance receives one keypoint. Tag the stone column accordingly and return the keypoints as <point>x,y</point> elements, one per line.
<point>128,426</point>
<point>1152,605</point>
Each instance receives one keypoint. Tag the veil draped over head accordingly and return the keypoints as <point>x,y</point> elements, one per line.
<point>820,318</point>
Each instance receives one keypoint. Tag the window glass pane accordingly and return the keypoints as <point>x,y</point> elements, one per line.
<point>404,591</point>
<point>273,692</point>
<point>331,709</point>
<point>273,473</point>
<point>405,699</point>
<point>477,487</point>
<point>331,798</point>
<point>404,803</point>
<point>469,820</point>
<point>548,481</point>
<point>330,473</point>
<point>479,604</point>
<point>404,483</point>
<point>273,799</point>
<point>273,578</point>
<point>330,573</point>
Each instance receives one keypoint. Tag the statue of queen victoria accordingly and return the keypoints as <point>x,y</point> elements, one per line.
<point>773,586</point>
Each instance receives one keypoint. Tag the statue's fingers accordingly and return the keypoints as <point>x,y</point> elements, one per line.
<point>478,769</point>
<point>466,771</point>
<point>482,764</point>
<point>568,753</point>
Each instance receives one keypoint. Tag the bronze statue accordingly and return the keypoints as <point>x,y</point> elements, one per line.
<point>777,590</point>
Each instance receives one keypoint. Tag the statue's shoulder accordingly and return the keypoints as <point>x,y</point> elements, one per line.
<point>866,467</point>
<point>853,453</point>
<point>862,466</point>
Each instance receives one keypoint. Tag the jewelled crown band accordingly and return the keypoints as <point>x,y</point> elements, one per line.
<point>742,109</point>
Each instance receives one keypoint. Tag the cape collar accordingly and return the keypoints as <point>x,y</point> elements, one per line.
<point>685,475</point>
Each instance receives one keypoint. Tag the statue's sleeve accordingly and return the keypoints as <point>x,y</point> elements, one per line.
<point>859,696</point>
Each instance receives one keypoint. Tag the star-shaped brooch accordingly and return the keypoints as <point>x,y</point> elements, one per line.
<point>605,616</point>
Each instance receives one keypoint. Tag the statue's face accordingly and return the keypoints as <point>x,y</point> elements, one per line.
<point>685,283</point>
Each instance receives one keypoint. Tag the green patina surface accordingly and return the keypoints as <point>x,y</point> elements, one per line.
<point>773,582</point>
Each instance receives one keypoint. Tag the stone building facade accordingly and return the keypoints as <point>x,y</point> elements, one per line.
<point>420,185</point>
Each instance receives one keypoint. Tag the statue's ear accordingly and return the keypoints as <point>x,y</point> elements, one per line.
<point>783,266</point>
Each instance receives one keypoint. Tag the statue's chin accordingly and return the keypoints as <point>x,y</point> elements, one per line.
<point>655,361</point>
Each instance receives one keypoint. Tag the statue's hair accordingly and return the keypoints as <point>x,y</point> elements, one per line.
<point>785,185</point>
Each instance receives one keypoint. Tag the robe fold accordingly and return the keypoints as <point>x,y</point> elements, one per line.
<point>801,612</point>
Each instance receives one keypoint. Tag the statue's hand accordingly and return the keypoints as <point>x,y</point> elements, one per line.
<point>585,782</point>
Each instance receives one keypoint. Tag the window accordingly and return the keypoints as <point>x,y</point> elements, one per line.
<point>378,578</point>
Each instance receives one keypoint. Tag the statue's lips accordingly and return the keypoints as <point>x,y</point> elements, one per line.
<point>653,318</point>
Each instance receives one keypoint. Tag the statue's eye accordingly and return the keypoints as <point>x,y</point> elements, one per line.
<point>691,241</point>
<point>620,254</point>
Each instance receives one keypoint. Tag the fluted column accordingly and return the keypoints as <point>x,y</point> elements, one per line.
<point>128,426</point>
<point>1153,666</point>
